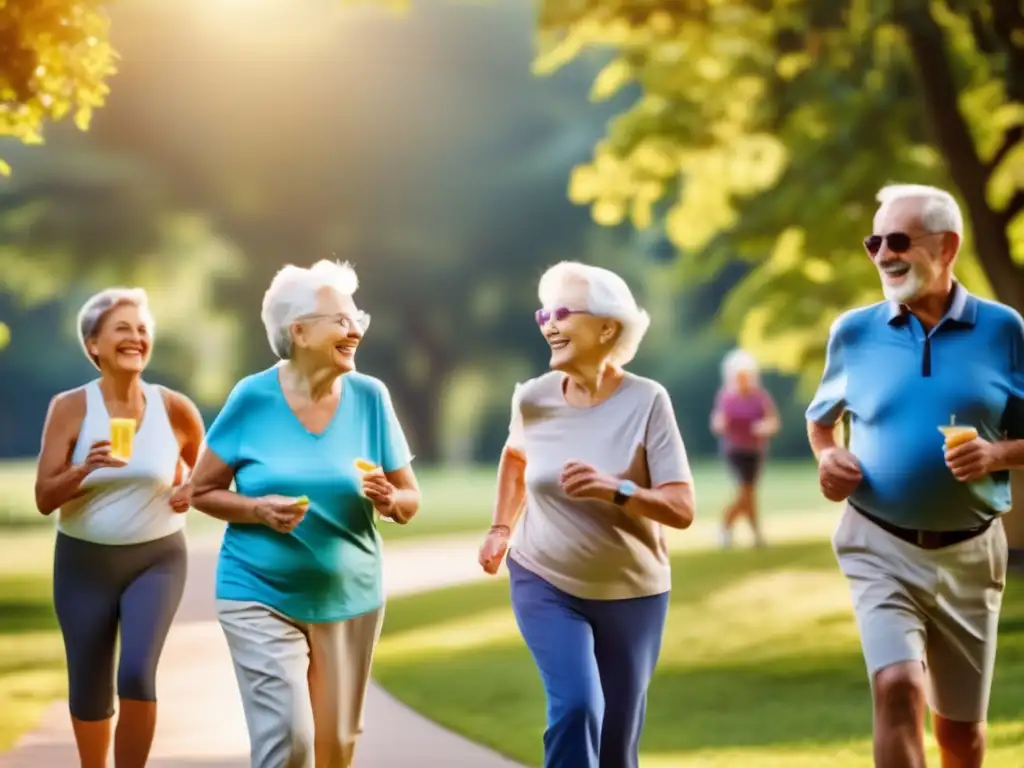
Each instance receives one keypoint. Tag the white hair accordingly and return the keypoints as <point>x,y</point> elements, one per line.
<point>739,361</point>
<point>99,305</point>
<point>939,209</point>
<point>608,296</point>
<point>293,293</point>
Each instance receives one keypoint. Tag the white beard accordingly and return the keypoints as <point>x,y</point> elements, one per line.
<point>911,286</point>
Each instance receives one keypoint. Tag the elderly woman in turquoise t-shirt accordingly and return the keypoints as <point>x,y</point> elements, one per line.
<point>314,450</point>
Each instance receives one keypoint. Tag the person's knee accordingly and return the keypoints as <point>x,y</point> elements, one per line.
<point>92,705</point>
<point>90,693</point>
<point>300,746</point>
<point>136,680</point>
<point>582,706</point>
<point>899,692</point>
<point>964,740</point>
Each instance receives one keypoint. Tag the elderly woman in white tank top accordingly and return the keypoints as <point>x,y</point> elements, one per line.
<point>120,561</point>
<point>593,470</point>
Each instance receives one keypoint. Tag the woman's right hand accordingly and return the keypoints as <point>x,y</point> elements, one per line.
<point>99,457</point>
<point>282,513</point>
<point>493,550</point>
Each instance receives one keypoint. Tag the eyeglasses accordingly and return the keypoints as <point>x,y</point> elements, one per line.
<point>347,323</point>
<point>544,316</point>
<point>897,242</point>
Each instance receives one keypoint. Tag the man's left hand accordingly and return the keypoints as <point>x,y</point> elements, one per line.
<point>972,461</point>
<point>379,490</point>
<point>581,481</point>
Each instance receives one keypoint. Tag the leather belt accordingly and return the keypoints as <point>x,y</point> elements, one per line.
<point>926,539</point>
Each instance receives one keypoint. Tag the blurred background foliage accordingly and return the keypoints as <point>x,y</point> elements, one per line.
<point>723,155</point>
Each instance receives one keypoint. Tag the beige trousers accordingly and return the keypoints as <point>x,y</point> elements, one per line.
<point>937,606</point>
<point>303,685</point>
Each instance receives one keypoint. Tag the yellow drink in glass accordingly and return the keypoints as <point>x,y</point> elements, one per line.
<point>122,438</point>
<point>958,435</point>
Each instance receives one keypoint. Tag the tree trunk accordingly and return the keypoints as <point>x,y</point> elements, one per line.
<point>970,175</point>
<point>418,407</point>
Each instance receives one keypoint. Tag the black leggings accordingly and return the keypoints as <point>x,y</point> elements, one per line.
<point>100,588</point>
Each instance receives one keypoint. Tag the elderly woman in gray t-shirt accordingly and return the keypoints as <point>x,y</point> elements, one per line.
<point>593,470</point>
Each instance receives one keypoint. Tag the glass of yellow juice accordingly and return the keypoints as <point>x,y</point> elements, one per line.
<point>122,438</point>
<point>958,434</point>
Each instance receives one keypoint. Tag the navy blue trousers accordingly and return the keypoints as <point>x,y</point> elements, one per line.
<point>596,659</point>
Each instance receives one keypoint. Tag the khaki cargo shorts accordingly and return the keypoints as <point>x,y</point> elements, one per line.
<point>939,607</point>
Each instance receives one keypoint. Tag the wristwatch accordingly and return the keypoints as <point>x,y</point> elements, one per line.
<point>624,492</point>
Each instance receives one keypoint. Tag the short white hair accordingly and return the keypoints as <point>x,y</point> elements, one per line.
<point>99,305</point>
<point>940,211</point>
<point>608,296</point>
<point>739,361</point>
<point>292,294</point>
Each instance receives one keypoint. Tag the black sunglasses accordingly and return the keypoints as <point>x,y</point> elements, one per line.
<point>897,242</point>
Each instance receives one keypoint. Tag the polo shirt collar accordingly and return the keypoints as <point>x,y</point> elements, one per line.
<point>963,309</point>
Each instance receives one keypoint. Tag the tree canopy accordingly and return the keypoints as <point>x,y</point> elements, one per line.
<point>763,129</point>
<point>433,160</point>
<point>55,59</point>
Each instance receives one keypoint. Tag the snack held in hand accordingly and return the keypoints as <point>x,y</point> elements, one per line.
<point>302,501</point>
<point>122,438</point>
<point>365,466</point>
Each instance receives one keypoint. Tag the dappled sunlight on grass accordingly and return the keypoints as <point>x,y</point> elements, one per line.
<point>31,650</point>
<point>26,551</point>
<point>780,528</point>
<point>490,629</point>
<point>765,616</point>
<point>1002,738</point>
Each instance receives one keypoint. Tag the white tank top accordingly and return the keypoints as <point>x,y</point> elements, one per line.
<point>126,505</point>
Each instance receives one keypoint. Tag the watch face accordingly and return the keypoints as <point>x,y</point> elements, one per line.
<point>627,487</point>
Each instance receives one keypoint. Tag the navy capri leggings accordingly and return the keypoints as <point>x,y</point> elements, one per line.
<point>99,589</point>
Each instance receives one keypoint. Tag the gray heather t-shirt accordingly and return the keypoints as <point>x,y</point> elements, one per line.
<point>594,549</point>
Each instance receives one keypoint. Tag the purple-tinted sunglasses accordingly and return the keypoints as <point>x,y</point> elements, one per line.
<point>544,316</point>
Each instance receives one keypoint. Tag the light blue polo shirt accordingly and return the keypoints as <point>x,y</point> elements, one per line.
<point>899,384</point>
<point>329,568</point>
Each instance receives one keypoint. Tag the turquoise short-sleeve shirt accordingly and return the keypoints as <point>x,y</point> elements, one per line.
<point>329,568</point>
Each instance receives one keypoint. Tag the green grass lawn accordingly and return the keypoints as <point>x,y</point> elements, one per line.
<point>760,669</point>
<point>459,500</point>
<point>31,653</point>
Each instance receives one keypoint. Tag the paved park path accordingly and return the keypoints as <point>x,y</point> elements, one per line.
<point>201,723</point>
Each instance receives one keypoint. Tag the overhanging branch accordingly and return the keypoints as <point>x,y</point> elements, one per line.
<point>1014,207</point>
<point>970,174</point>
<point>1010,139</point>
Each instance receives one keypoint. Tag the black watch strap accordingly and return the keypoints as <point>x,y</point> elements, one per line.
<point>619,498</point>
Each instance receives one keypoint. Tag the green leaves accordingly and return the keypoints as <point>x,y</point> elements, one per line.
<point>765,128</point>
<point>611,79</point>
<point>56,59</point>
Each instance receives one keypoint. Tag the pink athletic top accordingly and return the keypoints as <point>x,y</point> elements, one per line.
<point>742,412</point>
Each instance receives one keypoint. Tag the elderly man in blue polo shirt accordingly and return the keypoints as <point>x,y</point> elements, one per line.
<point>921,542</point>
